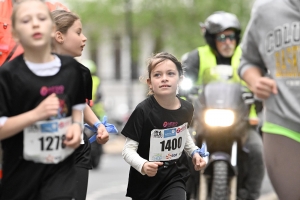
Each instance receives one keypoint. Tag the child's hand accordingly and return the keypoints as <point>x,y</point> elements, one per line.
<point>102,135</point>
<point>199,162</point>
<point>150,168</point>
<point>73,136</point>
<point>48,107</point>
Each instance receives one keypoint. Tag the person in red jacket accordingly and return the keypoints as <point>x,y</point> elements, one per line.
<point>9,49</point>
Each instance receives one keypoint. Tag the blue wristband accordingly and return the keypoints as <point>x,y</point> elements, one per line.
<point>201,151</point>
<point>110,128</point>
<point>97,124</point>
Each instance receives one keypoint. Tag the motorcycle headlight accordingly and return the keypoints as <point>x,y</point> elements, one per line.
<point>219,117</point>
<point>186,84</point>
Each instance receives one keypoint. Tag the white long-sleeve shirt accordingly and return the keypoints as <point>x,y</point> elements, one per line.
<point>131,156</point>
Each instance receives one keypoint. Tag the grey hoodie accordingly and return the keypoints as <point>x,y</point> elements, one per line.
<point>272,43</point>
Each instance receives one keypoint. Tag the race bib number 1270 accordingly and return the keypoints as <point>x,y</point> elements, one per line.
<point>43,141</point>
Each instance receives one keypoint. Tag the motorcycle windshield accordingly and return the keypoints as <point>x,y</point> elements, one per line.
<point>220,90</point>
<point>223,95</point>
<point>218,73</point>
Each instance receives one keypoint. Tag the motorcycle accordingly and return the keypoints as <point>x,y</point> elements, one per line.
<point>220,122</point>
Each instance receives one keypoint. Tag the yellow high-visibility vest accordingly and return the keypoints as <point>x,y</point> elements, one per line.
<point>208,60</point>
<point>98,107</point>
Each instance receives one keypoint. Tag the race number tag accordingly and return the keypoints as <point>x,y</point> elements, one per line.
<point>167,144</point>
<point>43,141</point>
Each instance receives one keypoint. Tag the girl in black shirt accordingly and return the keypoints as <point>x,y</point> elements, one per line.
<point>40,112</point>
<point>69,40</point>
<point>156,135</point>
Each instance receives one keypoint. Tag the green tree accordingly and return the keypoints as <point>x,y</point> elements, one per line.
<point>173,23</point>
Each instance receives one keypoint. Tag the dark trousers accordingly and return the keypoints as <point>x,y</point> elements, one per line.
<point>82,176</point>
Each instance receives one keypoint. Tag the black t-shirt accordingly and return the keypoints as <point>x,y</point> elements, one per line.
<point>83,152</point>
<point>149,115</point>
<point>21,90</point>
<point>88,82</point>
<point>83,155</point>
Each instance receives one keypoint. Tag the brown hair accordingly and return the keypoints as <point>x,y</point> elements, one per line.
<point>155,59</point>
<point>63,20</point>
<point>16,8</point>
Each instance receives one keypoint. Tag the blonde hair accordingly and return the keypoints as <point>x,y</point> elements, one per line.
<point>17,6</point>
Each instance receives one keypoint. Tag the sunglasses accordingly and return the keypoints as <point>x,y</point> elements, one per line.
<point>223,37</point>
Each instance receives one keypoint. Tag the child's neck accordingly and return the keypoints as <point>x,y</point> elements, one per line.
<point>169,102</point>
<point>38,56</point>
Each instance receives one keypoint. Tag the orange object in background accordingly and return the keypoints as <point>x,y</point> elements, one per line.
<point>56,6</point>
<point>9,49</point>
<point>7,43</point>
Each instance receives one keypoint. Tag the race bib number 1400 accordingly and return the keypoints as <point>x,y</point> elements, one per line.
<point>43,141</point>
<point>167,144</point>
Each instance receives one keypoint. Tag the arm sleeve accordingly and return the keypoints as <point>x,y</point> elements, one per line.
<point>79,106</point>
<point>190,62</point>
<point>131,156</point>
<point>2,121</point>
<point>251,56</point>
<point>189,146</point>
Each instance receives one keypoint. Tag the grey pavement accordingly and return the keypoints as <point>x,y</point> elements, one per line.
<point>115,144</point>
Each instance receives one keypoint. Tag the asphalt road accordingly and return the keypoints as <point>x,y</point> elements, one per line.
<point>109,182</point>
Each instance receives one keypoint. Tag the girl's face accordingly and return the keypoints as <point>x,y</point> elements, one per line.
<point>34,27</point>
<point>73,40</point>
<point>164,79</point>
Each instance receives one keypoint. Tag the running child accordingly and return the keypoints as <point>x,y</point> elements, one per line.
<point>41,106</point>
<point>156,135</point>
<point>69,40</point>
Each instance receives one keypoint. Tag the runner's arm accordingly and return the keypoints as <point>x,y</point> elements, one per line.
<point>10,126</point>
<point>251,59</point>
<point>131,156</point>
<point>90,118</point>
<point>77,116</point>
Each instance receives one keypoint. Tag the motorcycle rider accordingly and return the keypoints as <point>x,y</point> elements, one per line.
<point>222,34</point>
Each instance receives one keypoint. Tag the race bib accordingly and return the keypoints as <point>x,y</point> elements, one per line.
<point>167,144</point>
<point>43,141</point>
